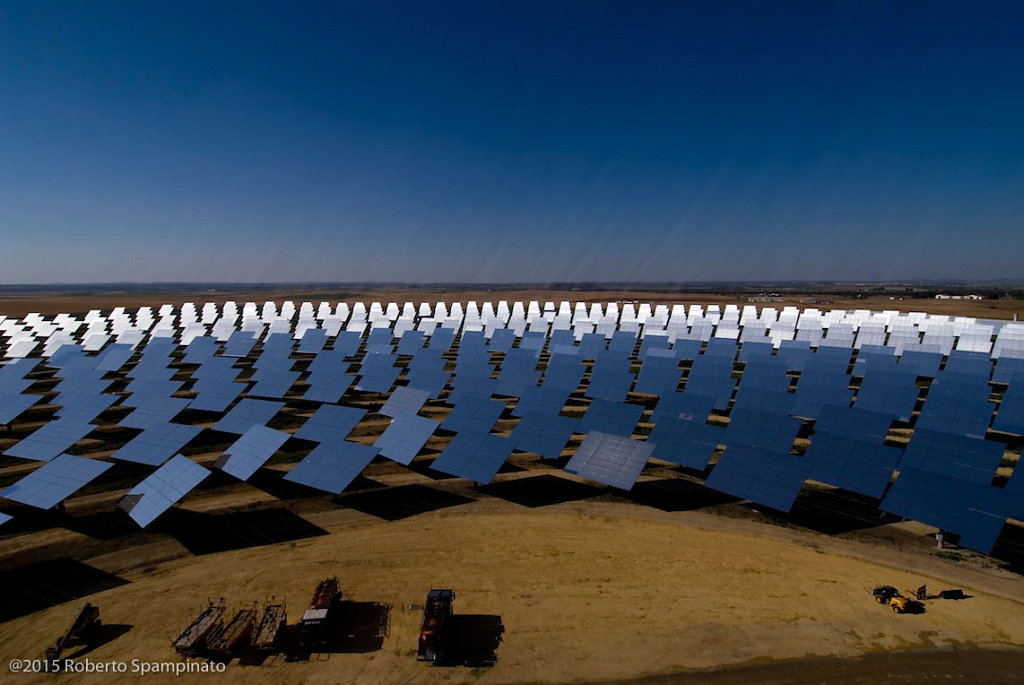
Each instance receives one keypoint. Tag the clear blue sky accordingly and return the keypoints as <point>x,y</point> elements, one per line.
<point>486,141</point>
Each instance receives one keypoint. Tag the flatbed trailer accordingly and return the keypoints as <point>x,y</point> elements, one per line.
<point>193,639</point>
<point>272,621</point>
<point>224,640</point>
<point>82,629</point>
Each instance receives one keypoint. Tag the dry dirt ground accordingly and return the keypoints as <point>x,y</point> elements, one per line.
<point>577,591</point>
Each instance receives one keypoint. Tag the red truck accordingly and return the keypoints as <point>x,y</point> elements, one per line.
<point>433,632</point>
<point>314,626</point>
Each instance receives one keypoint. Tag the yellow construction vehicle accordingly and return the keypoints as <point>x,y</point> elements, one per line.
<point>890,596</point>
<point>899,604</point>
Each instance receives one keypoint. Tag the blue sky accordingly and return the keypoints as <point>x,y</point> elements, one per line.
<point>510,142</point>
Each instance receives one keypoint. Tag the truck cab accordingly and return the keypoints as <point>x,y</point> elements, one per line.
<point>433,631</point>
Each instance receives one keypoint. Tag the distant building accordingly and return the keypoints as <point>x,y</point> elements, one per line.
<point>944,296</point>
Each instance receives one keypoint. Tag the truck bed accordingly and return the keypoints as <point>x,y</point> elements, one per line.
<point>224,640</point>
<point>264,636</point>
<point>194,637</point>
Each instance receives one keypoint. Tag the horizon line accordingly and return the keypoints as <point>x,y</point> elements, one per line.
<point>549,285</point>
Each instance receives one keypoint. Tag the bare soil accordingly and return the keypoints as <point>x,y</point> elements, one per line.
<point>572,592</point>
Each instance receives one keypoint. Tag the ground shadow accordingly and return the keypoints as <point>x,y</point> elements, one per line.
<point>540,491</point>
<point>104,525</point>
<point>357,628</point>
<point>288,643</point>
<point>958,663</point>
<point>509,467</point>
<point>473,640</point>
<point>211,440</point>
<point>272,482</point>
<point>44,584</point>
<point>422,467</point>
<point>834,512</point>
<point>361,483</point>
<point>103,634</point>
<point>249,657</point>
<point>913,607</point>
<point>360,627</point>
<point>28,519</point>
<point>558,462</point>
<point>1009,549</point>
<point>676,494</point>
<point>392,504</point>
<point>203,533</point>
